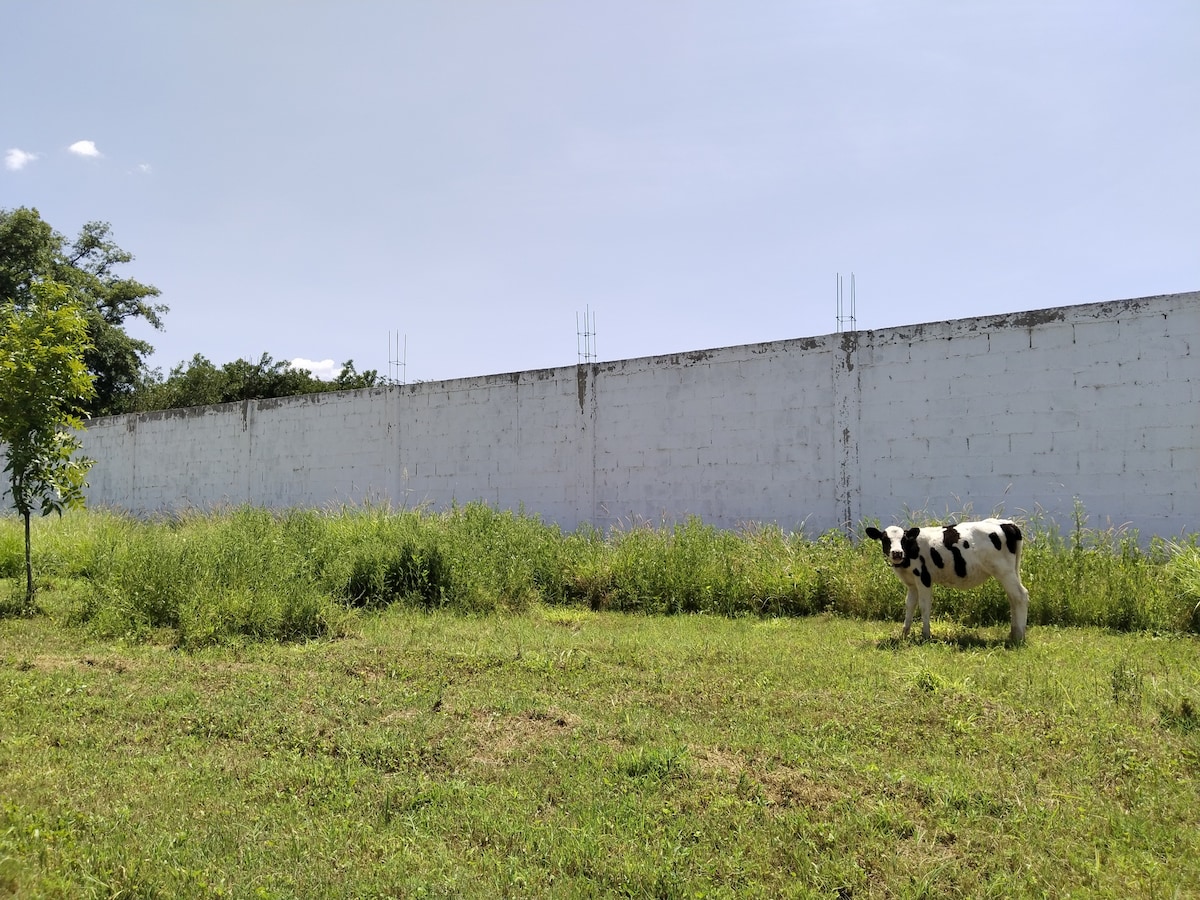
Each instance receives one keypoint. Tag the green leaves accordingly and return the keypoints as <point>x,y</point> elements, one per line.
<point>44,384</point>
<point>199,382</point>
<point>31,252</point>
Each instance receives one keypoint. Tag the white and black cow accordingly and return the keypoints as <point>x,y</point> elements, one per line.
<point>960,556</point>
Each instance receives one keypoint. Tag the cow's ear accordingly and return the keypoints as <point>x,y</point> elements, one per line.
<point>912,533</point>
<point>873,533</point>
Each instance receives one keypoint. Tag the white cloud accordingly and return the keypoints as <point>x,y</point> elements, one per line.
<point>15,160</point>
<point>325,369</point>
<point>85,148</point>
<point>144,168</point>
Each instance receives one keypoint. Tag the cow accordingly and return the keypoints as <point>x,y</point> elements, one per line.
<point>959,556</point>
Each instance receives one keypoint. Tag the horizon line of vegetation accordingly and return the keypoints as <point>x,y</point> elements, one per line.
<point>247,574</point>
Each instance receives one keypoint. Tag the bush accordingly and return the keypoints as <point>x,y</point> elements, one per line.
<point>1183,568</point>
<point>12,550</point>
<point>499,560</point>
<point>1101,577</point>
<point>245,574</point>
<point>249,574</point>
<point>381,574</point>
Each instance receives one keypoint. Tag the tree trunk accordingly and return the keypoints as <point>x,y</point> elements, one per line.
<point>28,569</point>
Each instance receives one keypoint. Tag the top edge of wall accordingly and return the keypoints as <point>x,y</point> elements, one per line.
<point>1045,316</point>
<point>1022,319</point>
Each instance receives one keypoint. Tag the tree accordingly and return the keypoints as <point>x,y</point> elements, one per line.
<point>44,384</point>
<point>199,382</point>
<point>195,383</point>
<point>350,379</point>
<point>32,251</point>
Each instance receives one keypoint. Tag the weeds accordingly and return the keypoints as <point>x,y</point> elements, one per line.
<point>1126,681</point>
<point>250,574</point>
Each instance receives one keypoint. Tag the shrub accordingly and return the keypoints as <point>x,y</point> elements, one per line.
<point>1183,568</point>
<point>381,574</point>
<point>252,574</point>
<point>12,550</point>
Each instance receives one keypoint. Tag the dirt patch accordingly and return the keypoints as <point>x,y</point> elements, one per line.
<point>789,788</point>
<point>55,663</point>
<point>499,738</point>
<point>776,785</point>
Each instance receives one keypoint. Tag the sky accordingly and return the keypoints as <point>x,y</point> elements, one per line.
<point>324,180</point>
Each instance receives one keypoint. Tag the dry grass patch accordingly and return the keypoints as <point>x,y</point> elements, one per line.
<point>501,739</point>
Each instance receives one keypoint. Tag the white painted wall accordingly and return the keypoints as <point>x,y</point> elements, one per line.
<point>1024,411</point>
<point>1029,411</point>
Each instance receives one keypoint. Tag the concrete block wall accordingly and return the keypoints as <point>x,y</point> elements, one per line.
<point>732,435</point>
<point>1023,412</point>
<point>1026,412</point>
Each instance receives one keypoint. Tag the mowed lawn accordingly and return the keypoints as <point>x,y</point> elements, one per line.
<point>568,753</point>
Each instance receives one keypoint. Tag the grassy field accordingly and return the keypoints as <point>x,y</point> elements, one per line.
<point>360,731</point>
<point>578,754</point>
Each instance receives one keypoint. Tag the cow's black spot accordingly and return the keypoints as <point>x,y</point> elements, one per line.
<point>1013,535</point>
<point>995,540</point>
<point>937,558</point>
<point>966,545</point>
<point>960,564</point>
<point>950,539</point>
<point>926,578</point>
<point>882,537</point>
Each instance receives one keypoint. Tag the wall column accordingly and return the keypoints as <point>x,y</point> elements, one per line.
<point>585,445</point>
<point>847,406</point>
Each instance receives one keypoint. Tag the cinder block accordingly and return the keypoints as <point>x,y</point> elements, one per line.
<point>1102,462</point>
<point>1058,337</point>
<point>1096,334</point>
<point>1009,341</point>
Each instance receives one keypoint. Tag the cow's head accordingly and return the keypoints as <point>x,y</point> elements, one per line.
<point>899,546</point>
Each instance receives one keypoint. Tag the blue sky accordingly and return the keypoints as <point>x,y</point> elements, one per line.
<point>302,178</point>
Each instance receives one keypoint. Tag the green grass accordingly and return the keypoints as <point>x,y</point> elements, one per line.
<point>371,703</point>
<point>562,752</point>
<point>247,574</point>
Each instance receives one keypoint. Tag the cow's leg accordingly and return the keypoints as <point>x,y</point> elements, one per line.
<point>1018,605</point>
<point>910,606</point>
<point>925,598</point>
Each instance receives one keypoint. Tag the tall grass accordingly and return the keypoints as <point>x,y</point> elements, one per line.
<point>693,567</point>
<point>211,578</point>
<point>249,574</point>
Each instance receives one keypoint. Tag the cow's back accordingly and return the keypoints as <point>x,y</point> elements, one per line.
<point>966,555</point>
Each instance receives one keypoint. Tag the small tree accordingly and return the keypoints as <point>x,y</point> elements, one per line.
<point>44,384</point>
